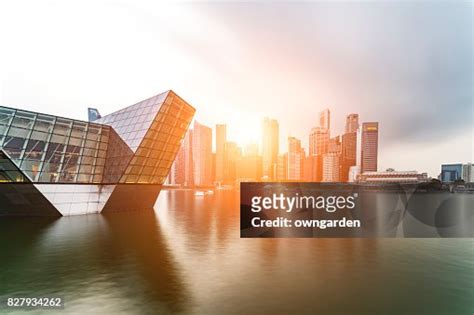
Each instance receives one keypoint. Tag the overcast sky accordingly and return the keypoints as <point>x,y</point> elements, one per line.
<point>405,64</point>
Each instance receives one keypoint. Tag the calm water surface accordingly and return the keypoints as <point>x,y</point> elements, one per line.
<point>187,258</point>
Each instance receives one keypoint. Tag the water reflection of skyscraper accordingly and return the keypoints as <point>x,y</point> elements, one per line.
<point>214,217</point>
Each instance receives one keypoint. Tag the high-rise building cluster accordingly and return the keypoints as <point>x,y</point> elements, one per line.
<point>341,158</point>
<point>197,165</point>
<point>338,158</point>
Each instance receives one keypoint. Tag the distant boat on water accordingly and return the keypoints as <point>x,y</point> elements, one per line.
<point>201,193</point>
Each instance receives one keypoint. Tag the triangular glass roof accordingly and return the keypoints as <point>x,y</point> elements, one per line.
<point>132,123</point>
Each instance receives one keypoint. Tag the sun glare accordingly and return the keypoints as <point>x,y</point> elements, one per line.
<point>245,131</point>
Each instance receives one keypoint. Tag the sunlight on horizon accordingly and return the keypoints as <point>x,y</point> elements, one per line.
<point>245,131</point>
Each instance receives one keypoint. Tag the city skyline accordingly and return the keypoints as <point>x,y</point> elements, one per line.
<point>347,157</point>
<point>416,82</point>
<point>320,143</point>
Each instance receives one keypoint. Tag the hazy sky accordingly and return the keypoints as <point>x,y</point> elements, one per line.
<point>405,64</point>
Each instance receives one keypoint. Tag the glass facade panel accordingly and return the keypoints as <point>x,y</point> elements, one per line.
<point>157,150</point>
<point>91,144</point>
<point>3,130</point>
<point>132,122</point>
<point>50,177</point>
<point>62,126</point>
<point>50,167</point>
<point>6,115</point>
<point>9,172</point>
<point>18,132</point>
<point>75,141</point>
<point>83,178</point>
<point>44,123</point>
<point>13,146</point>
<point>78,130</point>
<point>54,153</point>
<point>34,149</point>
<point>23,120</point>
<point>58,139</point>
<point>30,167</point>
<point>38,135</point>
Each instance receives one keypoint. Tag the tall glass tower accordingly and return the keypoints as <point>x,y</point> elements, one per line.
<point>369,147</point>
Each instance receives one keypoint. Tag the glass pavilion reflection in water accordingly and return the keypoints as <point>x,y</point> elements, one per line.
<point>52,165</point>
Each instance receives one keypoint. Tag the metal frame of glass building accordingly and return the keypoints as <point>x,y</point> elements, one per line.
<point>52,165</point>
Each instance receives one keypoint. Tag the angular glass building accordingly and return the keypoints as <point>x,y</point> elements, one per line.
<point>58,166</point>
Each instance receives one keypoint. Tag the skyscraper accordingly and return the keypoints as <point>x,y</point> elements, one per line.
<point>334,145</point>
<point>325,119</point>
<point>318,141</point>
<point>352,123</point>
<point>177,172</point>
<point>331,160</point>
<point>330,167</point>
<point>369,146</point>
<point>221,135</point>
<point>282,167</point>
<point>188,159</point>
<point>231,156</point>
<point>270,147</point>
<point>349,148</point>
<point>182,171</point>
<point>249,168</point>
<point>313,168</point>
<point>348,154</point>
<point>468,173</point>
<point>296,157</point>
<point>249,165</point>
<point>202,154</point>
